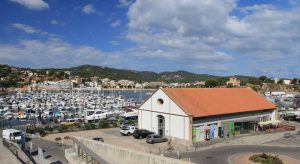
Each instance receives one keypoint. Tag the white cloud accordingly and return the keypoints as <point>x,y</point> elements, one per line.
<point>32,4</point>
<point>54,53</point>
<point>116,23</point>
<point>114,43</point>
<point>25,28</point>
<point>29,30</point>
<point>89,9</point>
<point>186,30</point>
<point>125,3</point>
<point>53,21</point>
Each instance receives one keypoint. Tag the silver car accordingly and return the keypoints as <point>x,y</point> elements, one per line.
<point>154,138</point>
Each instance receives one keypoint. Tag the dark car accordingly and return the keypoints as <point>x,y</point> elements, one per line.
<point>141,133</point>
<point>98,139</point>
<point>154,138</point>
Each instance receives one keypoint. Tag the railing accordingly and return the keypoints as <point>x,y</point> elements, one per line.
<point>85,152</point>
<point>16,151</point>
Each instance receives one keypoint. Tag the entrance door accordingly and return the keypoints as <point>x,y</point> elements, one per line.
<point>161,125</point>
<point>200,133</point>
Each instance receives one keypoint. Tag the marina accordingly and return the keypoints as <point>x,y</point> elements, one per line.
<point>39,107</point>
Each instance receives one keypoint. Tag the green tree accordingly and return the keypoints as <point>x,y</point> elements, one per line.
<point>262,78</point>
<point>222,80</point>
<point>211,83</point>
<point>269,80</point>
<point>294,81</point>
<point>280,81</point>
<point>254,80</point>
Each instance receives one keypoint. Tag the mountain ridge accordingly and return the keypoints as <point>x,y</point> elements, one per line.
<point>88,71</point>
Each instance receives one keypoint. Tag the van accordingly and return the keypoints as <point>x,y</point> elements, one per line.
<point>12,134</point>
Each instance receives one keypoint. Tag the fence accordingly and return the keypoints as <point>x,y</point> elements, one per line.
<point>14,148</point>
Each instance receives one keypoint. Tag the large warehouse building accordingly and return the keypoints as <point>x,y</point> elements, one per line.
<point>190,115</point>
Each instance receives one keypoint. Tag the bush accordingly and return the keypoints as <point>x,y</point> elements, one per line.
<point>115,124</point>
<point>62,129</point>
<point>265,159</point>
<point>102,124</point>
<point>49,128</point>
<point>41,131</point>
<point>89,126</point>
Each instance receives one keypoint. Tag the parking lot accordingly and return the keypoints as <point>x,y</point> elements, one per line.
<point>113,136</point>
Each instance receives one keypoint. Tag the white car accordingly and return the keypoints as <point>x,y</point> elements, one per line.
<point>127,130</point>
<point>12,134</point>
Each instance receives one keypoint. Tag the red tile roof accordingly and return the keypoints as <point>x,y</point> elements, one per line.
<point>201,102</point>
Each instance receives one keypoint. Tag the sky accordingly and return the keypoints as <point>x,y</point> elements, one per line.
<point>219,37</point>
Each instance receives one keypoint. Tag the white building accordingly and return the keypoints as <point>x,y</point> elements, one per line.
<point>287,82</point>
<point>190,115</point>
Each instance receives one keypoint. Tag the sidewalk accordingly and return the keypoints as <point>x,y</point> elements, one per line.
<point>7,156</point>
<point>268,139</point>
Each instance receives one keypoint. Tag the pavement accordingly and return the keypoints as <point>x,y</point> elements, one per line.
<point>220,155</point>
<point>214,151</point>
<point>6,156</point>
<point>244,158</point>
<point>113,136</point>
<point>53,151</point>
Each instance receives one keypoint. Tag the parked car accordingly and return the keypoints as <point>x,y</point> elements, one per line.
<point>125,123</point>
<point>69,122</point>
<point>141,133</point>
<point>154,138</point>
<point>127,130</point>
<point>98,139</point>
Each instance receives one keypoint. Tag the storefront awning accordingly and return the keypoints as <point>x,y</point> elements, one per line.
<point>271,122</point>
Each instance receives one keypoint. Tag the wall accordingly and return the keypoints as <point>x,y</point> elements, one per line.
<point>176,120</point>
<point>113,154</point>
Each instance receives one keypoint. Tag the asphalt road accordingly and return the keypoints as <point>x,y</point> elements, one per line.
<point>220,155</point>
<point>53,151</point>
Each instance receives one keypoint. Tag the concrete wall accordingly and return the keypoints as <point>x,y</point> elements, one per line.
<point>115,155</point>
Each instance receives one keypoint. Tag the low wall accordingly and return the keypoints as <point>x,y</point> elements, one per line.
<point>114,154</point>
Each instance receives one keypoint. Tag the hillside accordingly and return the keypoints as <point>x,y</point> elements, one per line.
<point>183,77</point>
<point>87,71</point>
<point>118,74</point>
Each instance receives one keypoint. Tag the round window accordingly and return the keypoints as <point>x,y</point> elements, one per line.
<point>160,101</point>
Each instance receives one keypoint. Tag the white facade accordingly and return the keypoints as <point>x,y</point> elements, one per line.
<point>180,126</point>
<point>176,121</point>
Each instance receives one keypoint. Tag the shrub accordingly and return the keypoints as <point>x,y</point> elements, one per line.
<point>62,128</point>
<point>89,126</point>
<point>41,131</point>
<point>115,124</point>
<point>49,128</point>
<point>102,124</point>
<point>265,159</point>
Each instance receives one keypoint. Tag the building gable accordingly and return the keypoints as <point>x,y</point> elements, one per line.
<point>160,102</point>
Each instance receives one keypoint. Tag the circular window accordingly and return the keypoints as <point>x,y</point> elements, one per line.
<point>160,101</point>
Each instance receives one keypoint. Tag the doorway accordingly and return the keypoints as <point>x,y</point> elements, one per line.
<point>161,125</point>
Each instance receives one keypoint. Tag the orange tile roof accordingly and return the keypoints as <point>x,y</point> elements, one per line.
<point>201,102</point>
